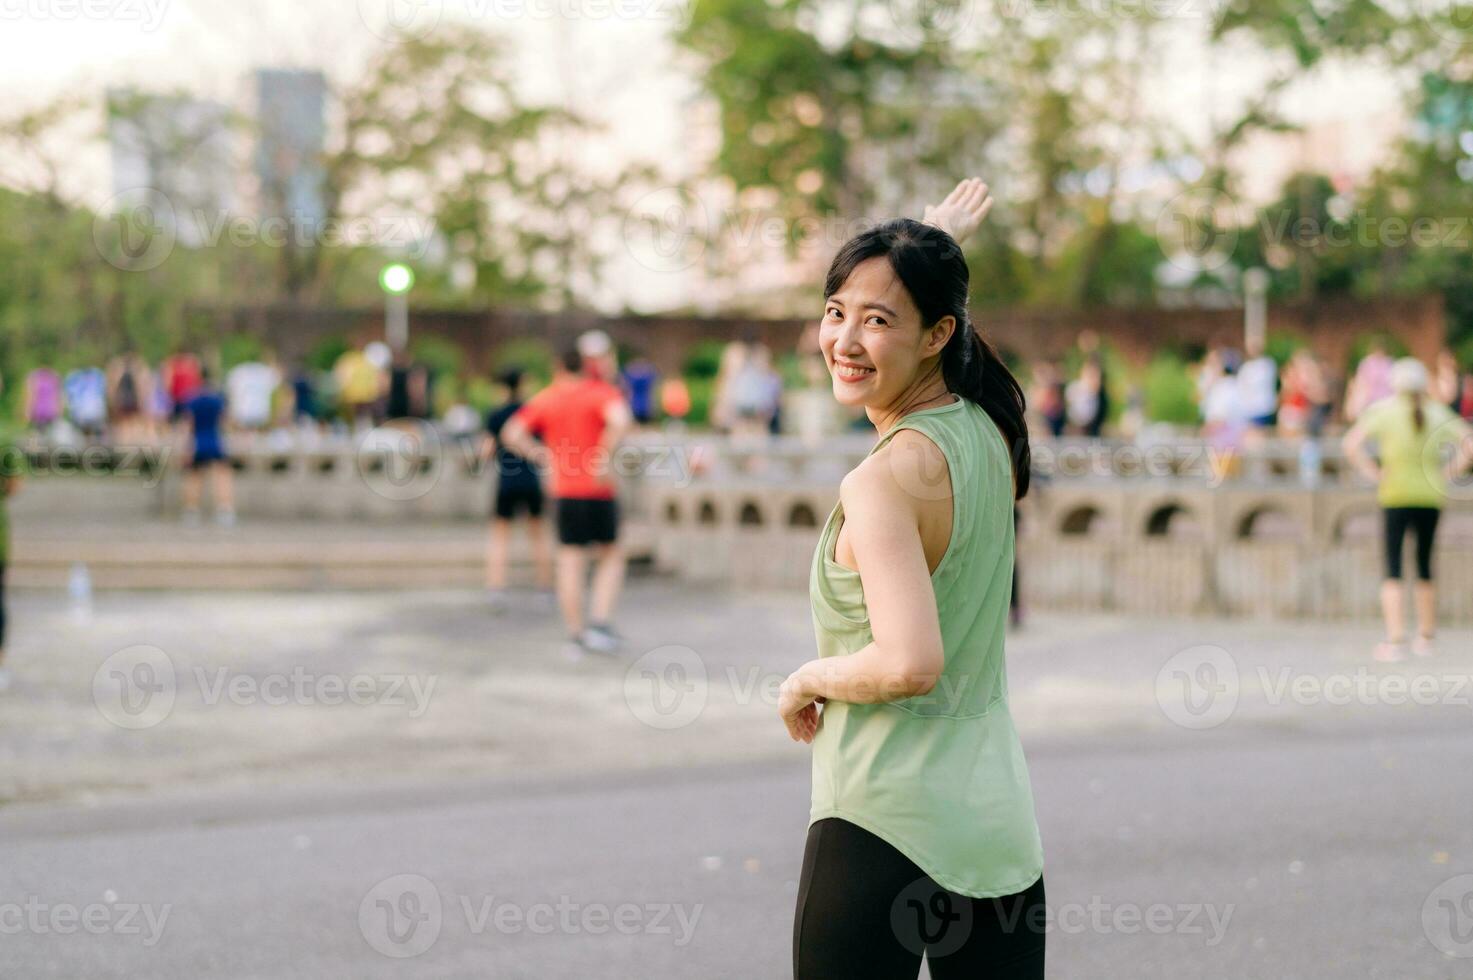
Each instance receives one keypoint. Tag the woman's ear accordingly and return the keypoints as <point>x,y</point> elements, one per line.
<point>939,334</point>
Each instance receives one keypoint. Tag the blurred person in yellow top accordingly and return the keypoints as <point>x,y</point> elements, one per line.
<point>1413,434</point>
<point>359,384</point>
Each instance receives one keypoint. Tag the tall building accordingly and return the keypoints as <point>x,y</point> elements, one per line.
<point>176,148</point>
<point>291,134</point>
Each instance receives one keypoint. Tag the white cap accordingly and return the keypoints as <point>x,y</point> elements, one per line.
<point>594,343</point>
<point>1408,374</point>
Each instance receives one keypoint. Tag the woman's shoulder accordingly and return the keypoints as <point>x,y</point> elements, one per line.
<point>910,468</point>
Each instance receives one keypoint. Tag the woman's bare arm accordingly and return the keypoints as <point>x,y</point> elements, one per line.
<point>906,657</point>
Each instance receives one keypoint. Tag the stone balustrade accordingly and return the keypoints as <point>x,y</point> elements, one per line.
<point>1169,528</point>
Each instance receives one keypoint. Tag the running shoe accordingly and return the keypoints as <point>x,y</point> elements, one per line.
<point>1422,646</point>
<point>225,518</point>
<point>497,599</point>
<point>1388,652</point>
<point>599,639</point>
<point>573,648</point>
<point>4,679</point>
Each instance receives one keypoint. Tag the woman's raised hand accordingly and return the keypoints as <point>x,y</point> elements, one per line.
<point>963,210</point>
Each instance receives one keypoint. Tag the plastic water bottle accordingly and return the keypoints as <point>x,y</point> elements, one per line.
<point>79,587</point>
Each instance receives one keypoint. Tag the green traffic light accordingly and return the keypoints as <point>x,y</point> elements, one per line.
<point>397,278</point>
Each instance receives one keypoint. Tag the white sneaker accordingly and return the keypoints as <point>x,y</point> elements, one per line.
<point>4,679</point>
<point>573,649</point>
<point>1389,653</point>
<point>1422,646</point>
<point>498,600</point>
<point>598,639</point>
<point>225,518</point>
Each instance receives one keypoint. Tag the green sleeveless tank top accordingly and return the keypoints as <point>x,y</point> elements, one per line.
<point>940,776</point>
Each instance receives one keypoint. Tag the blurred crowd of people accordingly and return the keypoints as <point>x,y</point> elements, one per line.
<point>130,401</point>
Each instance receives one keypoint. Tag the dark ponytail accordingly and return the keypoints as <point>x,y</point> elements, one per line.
<point>930,265</point>
<point>973,369</point>
<point>1419,420</point>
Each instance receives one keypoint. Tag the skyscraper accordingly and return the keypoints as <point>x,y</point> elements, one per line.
<point>292,131</point>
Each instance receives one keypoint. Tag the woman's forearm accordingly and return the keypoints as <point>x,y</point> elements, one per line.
<point>866,676</point>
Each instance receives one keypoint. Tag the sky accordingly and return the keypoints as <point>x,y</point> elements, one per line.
<point>613,61</point>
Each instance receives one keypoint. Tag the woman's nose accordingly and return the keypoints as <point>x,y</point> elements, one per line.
<point>846,341</point>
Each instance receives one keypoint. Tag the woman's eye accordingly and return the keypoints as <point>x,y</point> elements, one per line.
<point>835,314</point>
<point>877,321</point>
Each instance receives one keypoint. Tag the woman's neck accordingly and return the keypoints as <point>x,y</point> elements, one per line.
<point>928,391</point>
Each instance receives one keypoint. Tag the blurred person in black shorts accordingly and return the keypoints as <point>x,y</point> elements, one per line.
<point>518,490</point>
<point>580,418</point>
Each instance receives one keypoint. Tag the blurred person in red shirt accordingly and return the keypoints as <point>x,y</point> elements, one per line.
<point>580,419</point>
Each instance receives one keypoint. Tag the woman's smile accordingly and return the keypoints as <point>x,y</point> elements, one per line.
<point>851,372</point>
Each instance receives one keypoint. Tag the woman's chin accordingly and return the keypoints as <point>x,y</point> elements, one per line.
<point>850,395</point>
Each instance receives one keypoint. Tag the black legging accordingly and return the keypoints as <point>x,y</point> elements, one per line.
<point>866,910</point>
<point>1423,522</point>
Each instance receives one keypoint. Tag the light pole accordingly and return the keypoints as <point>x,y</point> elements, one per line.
<point>1255,308</point>
<point>396,281</point>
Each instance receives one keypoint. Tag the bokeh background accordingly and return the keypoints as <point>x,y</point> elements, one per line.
<point>289,733</point>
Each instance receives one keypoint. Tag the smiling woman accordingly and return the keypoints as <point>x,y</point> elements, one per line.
<point>922,810</point>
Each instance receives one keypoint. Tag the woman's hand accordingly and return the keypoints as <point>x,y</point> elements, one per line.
<point>963,210</point>
<point>799,709</point>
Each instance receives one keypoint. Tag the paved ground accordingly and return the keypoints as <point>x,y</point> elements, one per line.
<point>1200,768</point>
